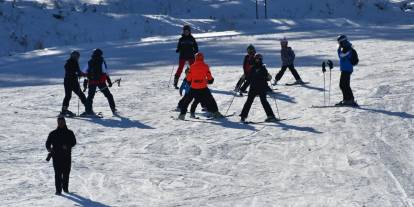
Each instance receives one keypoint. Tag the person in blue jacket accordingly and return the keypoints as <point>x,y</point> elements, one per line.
<point>346,67</point>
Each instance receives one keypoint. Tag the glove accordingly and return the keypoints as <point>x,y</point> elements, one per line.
<point>177,50</point>
<point>323,67</point>
<point>330,64</point>
<point>210,81</point>
<point>85,84</point>
<point>109,81</point>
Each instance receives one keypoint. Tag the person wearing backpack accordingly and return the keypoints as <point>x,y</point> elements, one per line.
<point>97,78</point>
<point>348,58</point>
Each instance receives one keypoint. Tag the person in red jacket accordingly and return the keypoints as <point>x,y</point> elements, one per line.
<point>187,47</point>
<point>199,76</point>
<point>248,62</point>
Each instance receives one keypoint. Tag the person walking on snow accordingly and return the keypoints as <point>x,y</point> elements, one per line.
<point>198,77</point>
<point>96,72</point>
<point>248,62</point>
<point>288,58</point>
<point>71,83</point>
<point>346,55</point>
<point>60,143</point>
<point>258,86</point>
<point>187,47</point>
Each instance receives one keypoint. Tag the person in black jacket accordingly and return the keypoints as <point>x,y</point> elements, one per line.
<point>258,78</point>
<point>96,72</point>
<point>187,47</point>
<point>71,83</point>
<point>59,143</point>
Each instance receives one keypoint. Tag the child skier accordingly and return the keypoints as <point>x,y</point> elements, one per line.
<point>288,58</point>
<point>258,86</point>
<point>187,47</point>
<point>346,55</point>
<point>198,77</point>
<point>248,62</point>
<point>97,76</point>
<point>185,86</point>
<point>71,83</point>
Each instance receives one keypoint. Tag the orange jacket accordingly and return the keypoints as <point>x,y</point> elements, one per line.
<point>199,74</point>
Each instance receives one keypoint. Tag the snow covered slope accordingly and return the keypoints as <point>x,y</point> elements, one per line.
<point>27,25</point>
<point>339,157</point>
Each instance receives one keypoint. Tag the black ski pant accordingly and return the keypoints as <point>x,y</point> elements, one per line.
<point>204,96</point>
<point>194,104</point>
<point>250,98</point>
<point>91,94</point>
<point>345,85</point>
<point>62,166</point>
<point>72,85</point>
<point>292,70</point>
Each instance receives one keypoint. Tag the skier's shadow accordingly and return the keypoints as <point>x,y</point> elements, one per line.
<point>389,113</point>
<point>82,201</point>
<point>121,122</point>
<point>230,93</point>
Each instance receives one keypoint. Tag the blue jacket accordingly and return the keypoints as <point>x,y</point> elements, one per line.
<point>185,86</point>
<point>345,60</point>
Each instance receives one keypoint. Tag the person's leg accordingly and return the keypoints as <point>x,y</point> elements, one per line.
<point>177,75</point>
<point>245,85</point>
<point>66,173</point>
<point>279,75</point>
<point>248,105</point>
<point>68,94</point>
<point>294,72</point>
<point>342,85</point>
<point>194,105</point>
<point>191,94</point>
<point>348,95</point>
<point>266,105</point>
<point>77,90</point>
<point>108,95</point>
<point>239,83</point>
<point>58,175</point>
<point>210,102</point>
<point>89,99</point>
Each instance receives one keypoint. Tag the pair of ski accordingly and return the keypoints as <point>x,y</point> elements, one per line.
<point>204,118</point>
<point>98,115</point>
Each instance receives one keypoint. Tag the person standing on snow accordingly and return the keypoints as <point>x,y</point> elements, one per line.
<point>248,62</point>
<point>71,83</point>
<point>198,77</point>
<point>60,143</point>
<point>258,86</point>
<point>346,55</point>
<point>288,58</point>
<point>187,47</point>
<point>97,76</point>
<point>185,87</point>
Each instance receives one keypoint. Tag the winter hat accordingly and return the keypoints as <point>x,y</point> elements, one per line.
<point>199,56</point>
<point>284,41</point>
<point>342,38</point>
<point>187,27</point>
<point>251,48</point>
<point>74,54</point>
<point>97,52</point>
<point>61,118</point>
<point>258,56</point>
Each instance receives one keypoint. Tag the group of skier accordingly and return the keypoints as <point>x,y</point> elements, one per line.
<point>194,89</point>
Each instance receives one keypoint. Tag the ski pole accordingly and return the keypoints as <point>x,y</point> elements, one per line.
<point>172,71</point>
<point>324,83</point>
<point>277,108</point>
<point>330,64</point>
<point>231,102</point>
<point>78,96</point>
<point>118,81</point>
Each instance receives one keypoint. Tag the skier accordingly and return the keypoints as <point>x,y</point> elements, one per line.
<point>60,143</point>
<point>346,53</point>
<point>288,58</point>
<point>248,62</point>
<point>71,83</point>
<point>97,76</point>
<point>187,47</point>
<point>198,77</point>
<point>258,86</point>
<point>185,86</point>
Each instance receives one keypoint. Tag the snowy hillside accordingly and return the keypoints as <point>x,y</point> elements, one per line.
<point>36,24</point>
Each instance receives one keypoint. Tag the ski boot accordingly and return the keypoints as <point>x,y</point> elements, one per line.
<point>181,117</point>
<point>274,83</point>
<point>114,112</point>
<point>243,119</point>
<point>176,82</point>
<point>299,81</point>
<point>66,112</point>
<point>217,115</point>
<point>271,119</point>
<point>192,115</point>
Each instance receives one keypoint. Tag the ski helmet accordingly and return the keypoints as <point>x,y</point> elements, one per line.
<point>258,56</point>
<point>74,54</point>
<point>284,41</point>
<point>199,56</point>
<point>251,49</point>
<point>342,38</point>
<point>97,52</point>
<point>187,27</point>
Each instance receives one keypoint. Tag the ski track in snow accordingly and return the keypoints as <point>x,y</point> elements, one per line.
<point>327,157</point>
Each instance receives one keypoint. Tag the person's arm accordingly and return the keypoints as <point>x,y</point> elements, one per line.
<point>49,143</point>
<point>178,46</point>
<point>246,65</point>
<point>73,139</point>
<point>210,79</point>
<point>195,46</point>
<point>268,76</point>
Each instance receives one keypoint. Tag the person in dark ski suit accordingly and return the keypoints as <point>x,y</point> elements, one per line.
<point>60,143</point>
<point>346,67</point>
<point>248,62</point>
<point>71,83</point>
<point>97,78</point>
<point>288,58</point>
<point>187,47</point>
<point>258,86</point>
<point>198,77</point>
